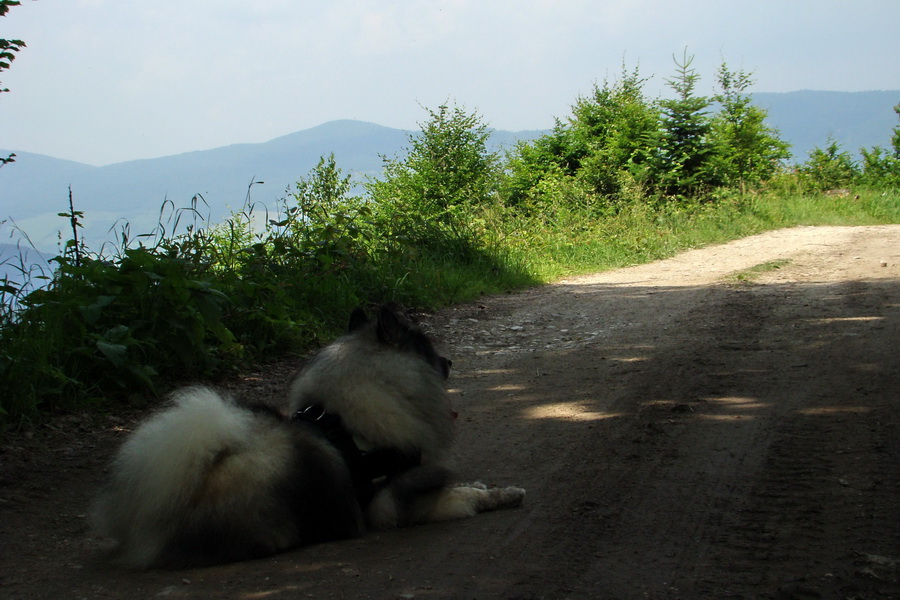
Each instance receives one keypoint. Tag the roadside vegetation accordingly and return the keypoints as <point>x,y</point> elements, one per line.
<point>623,179</point>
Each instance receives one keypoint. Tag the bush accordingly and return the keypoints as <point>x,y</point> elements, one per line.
<point>606,143</point>
<point>881,168</point>
<point>745,151</point>
<point>828,168</point>
<point>428,199</point>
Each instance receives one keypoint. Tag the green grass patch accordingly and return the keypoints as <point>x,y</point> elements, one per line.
<point>754,272</point>
<point>641,233</point>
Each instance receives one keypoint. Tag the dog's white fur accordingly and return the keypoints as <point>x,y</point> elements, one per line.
<point>205,459</point>
<point>389,397</point>
<point>384,396</point>
<point>207,468</point>
<point>458,502</point>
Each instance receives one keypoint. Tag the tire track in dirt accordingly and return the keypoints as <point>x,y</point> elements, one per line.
<point>709,511</point>
<point>813,513</point>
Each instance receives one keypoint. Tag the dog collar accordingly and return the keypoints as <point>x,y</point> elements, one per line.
<point>368,467</point>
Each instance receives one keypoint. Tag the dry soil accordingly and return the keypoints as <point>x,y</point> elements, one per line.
<point>722,424</point>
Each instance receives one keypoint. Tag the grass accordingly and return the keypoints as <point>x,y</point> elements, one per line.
<point>641,233</point>
<point>754,272</point>
<point>200,306</point>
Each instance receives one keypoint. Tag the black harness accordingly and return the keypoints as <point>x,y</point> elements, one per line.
<point>369,469</point>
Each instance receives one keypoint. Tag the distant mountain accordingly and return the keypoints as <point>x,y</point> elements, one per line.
<point>855,120</point>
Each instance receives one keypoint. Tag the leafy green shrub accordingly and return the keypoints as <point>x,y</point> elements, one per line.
<point>617,126</point>
<point>881,168</point>
<point>828,168</point>
<point>745,150</point>
<point>551,155</point>
<point>426,200</point>
<point>113,326</point>
<point>606,143</point>
<point>624,148</point>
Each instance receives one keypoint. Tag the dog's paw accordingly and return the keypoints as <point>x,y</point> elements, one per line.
<point>488,499</point>
<point>508,497</point>
<point>476,485</point>
<point>462,501</point>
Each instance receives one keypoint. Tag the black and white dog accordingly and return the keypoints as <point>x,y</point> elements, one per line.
<point>209,480</point>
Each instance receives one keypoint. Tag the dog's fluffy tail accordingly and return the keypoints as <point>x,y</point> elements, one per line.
<point>208,480</point>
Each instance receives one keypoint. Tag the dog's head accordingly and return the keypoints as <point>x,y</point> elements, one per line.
<point>395,331</point>
<point>385,380</point>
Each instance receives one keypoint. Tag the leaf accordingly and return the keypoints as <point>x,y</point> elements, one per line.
<point>144,374</point>
<point>92,311</point>
<point>117,354</point>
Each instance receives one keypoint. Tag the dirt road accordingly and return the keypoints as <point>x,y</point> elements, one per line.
<point>692,428</point>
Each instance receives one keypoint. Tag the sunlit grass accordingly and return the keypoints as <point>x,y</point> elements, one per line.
<point>756,271</point>
<point>643,233</point>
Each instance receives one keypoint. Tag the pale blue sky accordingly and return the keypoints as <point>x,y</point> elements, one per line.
<point>105,81</point>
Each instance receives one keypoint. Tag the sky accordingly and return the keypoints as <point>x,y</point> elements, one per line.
<point>105,81</point>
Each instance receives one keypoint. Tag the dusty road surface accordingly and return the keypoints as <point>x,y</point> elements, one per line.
<point>691,428</point>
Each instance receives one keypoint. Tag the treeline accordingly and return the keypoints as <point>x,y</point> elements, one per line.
<point>622,179</point>
<point>618,146</point>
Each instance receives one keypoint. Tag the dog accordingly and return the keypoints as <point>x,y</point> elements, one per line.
<point>210,480</point>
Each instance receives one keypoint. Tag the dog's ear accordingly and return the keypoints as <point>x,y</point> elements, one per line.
<point>358,320</point>
<point>443,365</point>
<point>391,329</point>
